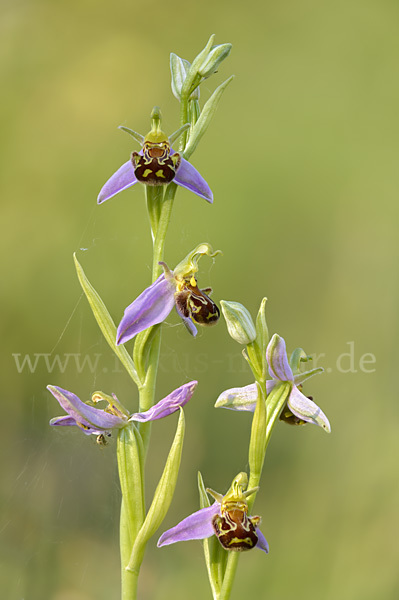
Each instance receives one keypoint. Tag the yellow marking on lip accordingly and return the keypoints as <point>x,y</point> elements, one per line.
<point>236,540</point>
<point>160,173</point>
<point>147,172</point>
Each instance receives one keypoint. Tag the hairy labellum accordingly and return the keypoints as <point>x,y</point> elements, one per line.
<point>235,530</point>
<point>193,302</point>
<point>156,166</point>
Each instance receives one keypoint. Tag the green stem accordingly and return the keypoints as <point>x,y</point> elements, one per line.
<point>257,444</point>
<point>129,578</point>
<point>228,580</point>
<point>147,392</point>
<point>153,195</point>
<point>129,584</point>
<point>132,450</point>
<point>163,223</point>
<point>257,449</point>
<point>275,401</point>
<point>265,417</point>
<point>183,121</point>
<point>189,86</point>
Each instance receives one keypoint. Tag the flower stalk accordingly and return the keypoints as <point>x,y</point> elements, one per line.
<point>160,200</point>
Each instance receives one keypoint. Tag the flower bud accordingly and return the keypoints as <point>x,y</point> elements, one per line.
<point>239,322</point>
<point>213,60</point>
<point>242,398</point>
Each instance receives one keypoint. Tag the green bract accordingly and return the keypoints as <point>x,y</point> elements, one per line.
<point>179,68</point>
<point>205,118</point>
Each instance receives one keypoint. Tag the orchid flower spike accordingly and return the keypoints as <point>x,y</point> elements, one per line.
<point>156,164</point>
<point>227,518</point>
<point>173,288</point>
<point>114,416</point>
<point>299,409</point>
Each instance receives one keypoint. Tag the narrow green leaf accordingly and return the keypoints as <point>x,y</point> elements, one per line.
<point>105,322</point>
<point>254,358</point>
<point>274,405</point>
<point>204,499</point>
<point>162,497</point>
<point>262,334</point>
<point>205,118</point>
<point>176,134</point>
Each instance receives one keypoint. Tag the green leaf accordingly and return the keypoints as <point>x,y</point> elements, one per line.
<point>105,322</point>
<point>205,118</point>
<point>262,333</point>
<point>176,134</point>
<point>162,497</point>
<point>204,499</point>
<point>274,404</point>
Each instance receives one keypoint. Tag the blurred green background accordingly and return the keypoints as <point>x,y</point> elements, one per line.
<point>302,157</point>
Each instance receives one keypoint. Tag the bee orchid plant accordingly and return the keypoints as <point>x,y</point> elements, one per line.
<point>226,526</point>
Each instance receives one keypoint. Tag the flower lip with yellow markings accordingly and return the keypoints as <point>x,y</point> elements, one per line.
<point>156,164</point>
<point>299,409</point>
<point>114,416</point>
<point>177,289</point>
<point>226,518</point>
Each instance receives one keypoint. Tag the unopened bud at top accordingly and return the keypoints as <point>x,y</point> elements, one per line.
<point>213,59</point>
<point>239,322</point>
